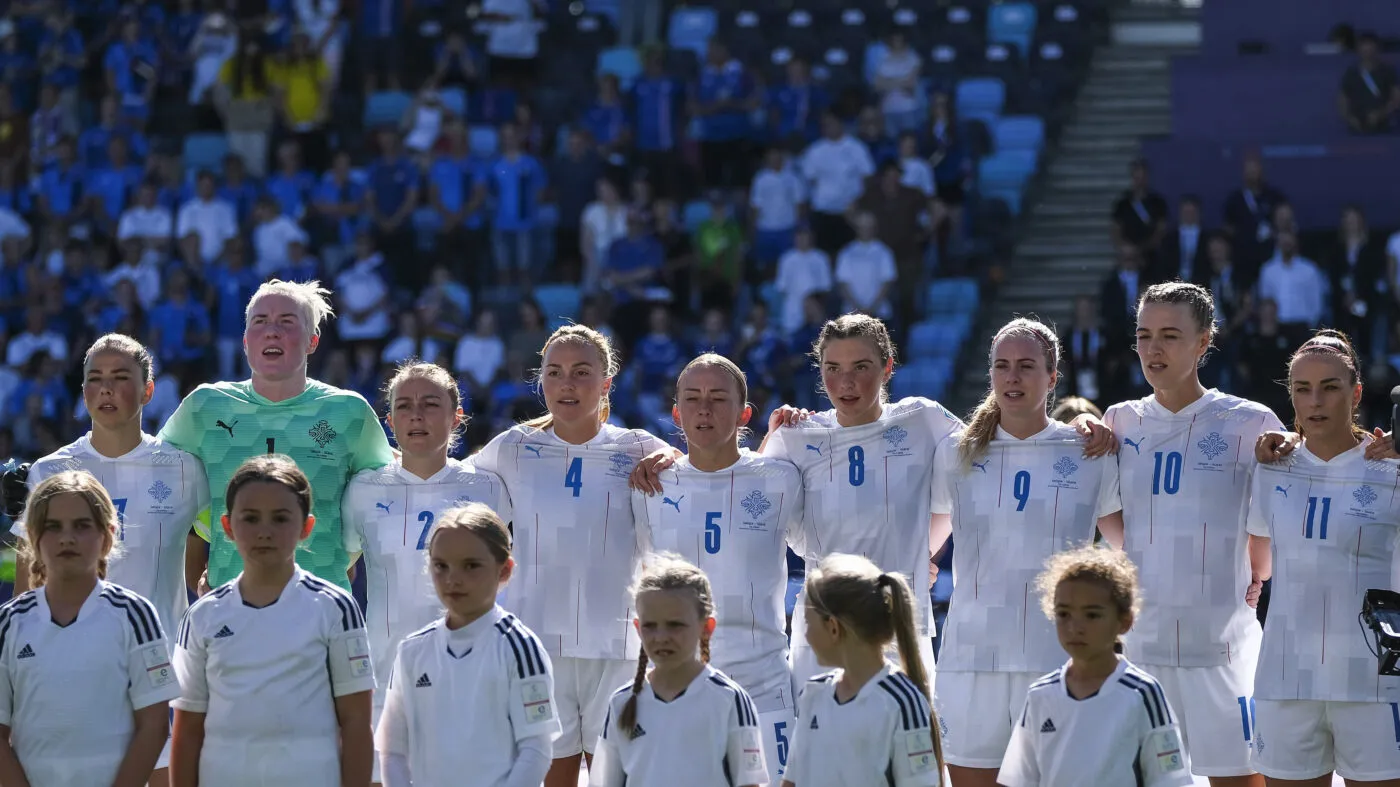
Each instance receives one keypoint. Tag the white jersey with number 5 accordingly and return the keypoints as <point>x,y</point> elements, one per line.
<point>159,491</point>
<point>1334,527</point>
<point>1184,479</point>
<point>1013,508</point>
<point>867,488</point>
<point>575,538</point>
<point>734,525</point>
<point>388,514</point>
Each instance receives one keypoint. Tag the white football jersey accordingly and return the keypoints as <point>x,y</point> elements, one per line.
<point>867,488</point>
<point>388,514</point>
<point>67,693</point>
<point>159,491</point>
<point>1126,734</point>
<point>575,539</point>
<point>1334,527</point>
<point>1017,505</point>
<point>734,525</point>
<point>268,675</point>
<point>883,735</point>
<point>1184,479</point>
<point>709,733</point>
<point>460,701</point>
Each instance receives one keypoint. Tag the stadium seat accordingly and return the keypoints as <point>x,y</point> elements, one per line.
<point>622,62</point>
<point>1012,23</point>
<point>205,151</point>
<point>980,99</point>
<point>1019,132</point>
<point>875,53</point>
<point>1008,194</point>
<point>558,301</point>
<point>694,214</point>
<point>946,296</point>
<point>483,141</point>
<point>454,100</point>
<point>691,27</point>
<point>386,107</point>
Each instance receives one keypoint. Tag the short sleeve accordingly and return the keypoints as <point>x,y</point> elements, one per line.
<point>150,675</point>
<point>941,422</point>
<point>606,768</point>
<point>372,449</point>
<point>744,746</point>
<point>1256,521</point>
<point>489,457</point>
<point>199,486</point>
<point>352,531</point>
<point>641,519</point>
<point>1019,767</point>
<point>776,447</point>
<point>392,734</point>
<point>941,490</point>
<point>1110,499</point>
<point>795,514</point>
<point>7,690</point>
<point>180,429</point>
<point>190,660</point>
<point>505,506</point>
<point>347,648</point>
<point>1162,760</point>
<point>797,765</point>
<point>913,760</point>
<point>532,709</point>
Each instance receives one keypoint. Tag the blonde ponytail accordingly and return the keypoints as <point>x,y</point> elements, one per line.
<point>981,426</point>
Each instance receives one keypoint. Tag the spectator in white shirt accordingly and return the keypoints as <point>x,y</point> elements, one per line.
<point>410,343</point>
<point>205,223</point>
<point>778,199</point>
<point>141,269</point>
<point>480,355</point>
<point>362,298</point>
<point>603,221</point>
<point>147,222</point>
<point>914,169</point>
<point>803,270</point>
<point>271,236</point>
<point>36,338</point>
<point>1297,285</point>
<point>896,80</point>
<point>513,39</point>
<point>865,271</point>
<point>215,42</point>
<point>836,167</point>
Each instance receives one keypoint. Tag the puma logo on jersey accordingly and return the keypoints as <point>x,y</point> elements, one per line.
<point>384,506</point>
<point>813,725</point>
<point>26,652</point>
<point>225,631</point>
<point>423,682</point>
<point>816,448</point>
<point>1283,490</point>
<point>982,465</point>
<point>227,427</point>
<point>534,449</point>
<point>1048,726</point>
<point>636,733</point>
<point>1136,444</point>
<point>676,504</point>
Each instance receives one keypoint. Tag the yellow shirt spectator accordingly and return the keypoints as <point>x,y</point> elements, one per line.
<point>303,83</point>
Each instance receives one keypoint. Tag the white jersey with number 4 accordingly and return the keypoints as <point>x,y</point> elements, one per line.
<point>388,514</point>
<point>734,524</point>
<point>159,491</point>
<point>1014,507</point>
<point>1124,734</point>
<point>1184,479</point>
<point>1334,527</point>
<point>575,539</point>
<point>867,488</point>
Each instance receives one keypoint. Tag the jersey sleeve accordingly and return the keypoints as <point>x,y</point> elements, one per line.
<point>347,647</point>
<point>642,521</point>
<point>797,765</point>
<point>180,429</point>
<point>776,447</point>
<point>606,769</point>
<point>199,485</point>
<point>1110,496</point>
<point>796,513</point>
<point>1162,759</point>
<point>531,675</point>
<point>372,449</point>
<point>488,459</point>
<point>1019,766</point>
<point>1256,521</point>
<point>1109,418</point>
<point>912,759</point>
<point>7,689</point>
<point>191,658</point>
<point>744,749</point>
<point>505,506</point>
<point>392,734</point>
<point>945,456</point>
<point>352,530</point>
<point>150,675</point>
<point>941,423</point>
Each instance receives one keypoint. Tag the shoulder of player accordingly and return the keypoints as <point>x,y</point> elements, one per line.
<point>1147,690</point>
<point>520,647</point>
<point>617,436</point>
<point>375,477</point>
<point>913,406</point>
<point>339,607</point>
<point>724,688</point>
<point>899,691</point>
<point>1228,407</point>
<point>65,458</point>
<point>140,613</point>
<point>206,603</point>
<point>419,641</point>
<point>467,473</point>
<point>1048,683</point>
<point>326,394</point>
<point>13,610</point>
<point>769,467</point>
<point>223,389</point>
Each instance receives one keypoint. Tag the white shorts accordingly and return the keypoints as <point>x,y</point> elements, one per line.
<point>1213,709</point>
<point>163,761</point>
<point>268,765</point>
<point>1305,739</point>
<point>976,713</point>
<point>804,662</point>
<point>776,728</point>
<point>582,689</point>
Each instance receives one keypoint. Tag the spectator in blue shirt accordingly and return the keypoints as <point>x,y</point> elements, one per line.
<point>606,119</point>
<point>111,188</point>
<point>715,335</point>
<point>454,196</point>
<point>124,313</point>
<point>722,104</point>
<point>231,284</point>
<point>301,266</point>
<point>658,356</point>
<point>393,194</point>
<point>658,121</point>
<point>82,286</point>
<point>16,67</point>
<point>132,64</point>
<point>92,143</point>
<point>762,352</point>
<point>238,189</point>
<point>516,181</point>
<point>379,26</point>
<point>291,184</point>
<point>61,186</point>
<point>805,379</point>
<point>62,56</point>
<point>633,267</point>
<point>797,104</point>
<point>339,205</point>
<point>180,330</point>
<point>44,382</point>
<point>870,131</point>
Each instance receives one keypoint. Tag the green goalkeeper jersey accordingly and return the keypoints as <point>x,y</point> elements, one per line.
<point>329,432</point>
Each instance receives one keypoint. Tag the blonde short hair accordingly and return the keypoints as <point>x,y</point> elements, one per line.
<point>311,299</point>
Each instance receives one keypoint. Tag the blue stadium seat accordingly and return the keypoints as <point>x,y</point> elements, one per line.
<point>928,377</point>
<point>622,62</point>
<point>205,151</point>
<point>386,107</point>
<point>1010,194</point>
<point>691,28</point>
<point>1019,132</point>
<point>483,141</point>
<point>1012,23</point>
<point>952,296</point>
<point>1007,167</point>
<point>454,100</point>
<point>980,99</point>
<point>874,53</point>
<point>558,301</point>
<point>694,214</point>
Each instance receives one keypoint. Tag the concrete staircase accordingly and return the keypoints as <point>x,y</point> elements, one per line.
<point>1065,248</point>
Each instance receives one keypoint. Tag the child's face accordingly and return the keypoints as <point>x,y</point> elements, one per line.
<point>670,626</point>
<point>1087,621</point>
<point>266,524</point>
<point>466,575</point>
<point>422,417</point>
<point>72,540</point>
<point>823,635</point>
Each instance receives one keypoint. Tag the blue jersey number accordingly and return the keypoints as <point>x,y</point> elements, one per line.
<point>426,517</point>
<point>1021,489</point>
<point>856,456</point>
<point>1166,473</point>
<point>120,503</point>
<point>1314,518</point>
<point>712,532</point>
<point>573,477</point>
<point>782,748</point>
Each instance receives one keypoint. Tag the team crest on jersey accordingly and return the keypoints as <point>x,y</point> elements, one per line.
<point>1364,496</point>
<point>1065,468</point>
<point>620,464</point>
<point>1211,447</point>
<point>159,491</point>
<point>322,433</point>
<point>755,504</point>
<point>895,438</point>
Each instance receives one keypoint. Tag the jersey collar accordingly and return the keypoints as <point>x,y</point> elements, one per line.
<point>1155,409</point>
<point>410,478</point>
<point>1048,432</point>
<point>84,611</point>
<point>1350,456</point>
<point>468,633</point>
<point>84,445</point>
